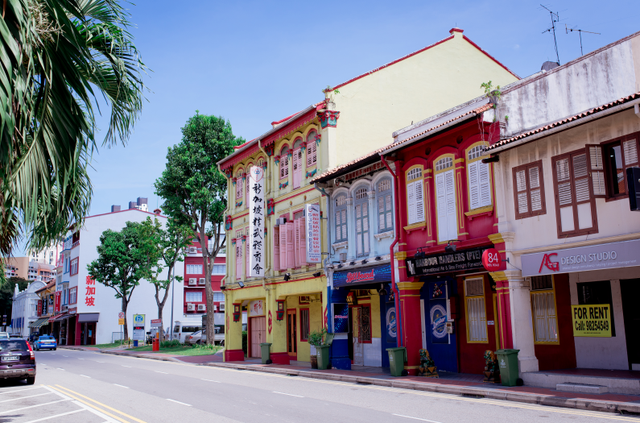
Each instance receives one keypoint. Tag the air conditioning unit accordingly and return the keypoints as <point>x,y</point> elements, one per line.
<point>221,307</point>
<point>201,281</point>
<point>281,221</point>
<point>191,307</point>
<point>202,307</point>
<point>343,256</point>
<point>193,281</point>
<point>193,250</point>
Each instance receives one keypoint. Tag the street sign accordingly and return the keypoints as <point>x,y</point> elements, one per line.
<point>121,315</point>
<point>138,320</point>
<point>120,322</point>
<point>491,260</point>
<point>156,323</point>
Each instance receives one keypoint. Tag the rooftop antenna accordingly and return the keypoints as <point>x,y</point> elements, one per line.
<point>554,18</point>
<point>580,31</point>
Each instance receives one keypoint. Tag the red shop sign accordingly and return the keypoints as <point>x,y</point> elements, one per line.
<point>491,259</point>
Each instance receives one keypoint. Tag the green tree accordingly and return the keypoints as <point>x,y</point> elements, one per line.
<point>57,59</point>
<point>6,294</point>
<point>123,260</point>
<point>194,190</point>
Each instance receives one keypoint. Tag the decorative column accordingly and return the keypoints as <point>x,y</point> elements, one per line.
<point>328,152</point>
<point>233,327</point>
<point>522,326</point>
<point>411,325</point>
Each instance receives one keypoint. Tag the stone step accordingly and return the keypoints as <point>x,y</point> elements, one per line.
<point>582,388</point>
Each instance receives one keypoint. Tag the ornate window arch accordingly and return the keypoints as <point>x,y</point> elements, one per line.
<point>341,226</point>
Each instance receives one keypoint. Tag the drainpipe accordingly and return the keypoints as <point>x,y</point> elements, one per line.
<point>392,256</point>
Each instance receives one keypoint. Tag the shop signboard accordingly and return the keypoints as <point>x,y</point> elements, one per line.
<point>446,262</point>
<point>256,308</point>
<point>156,323</point>
<point>581,259</point>
<point>340,317</point>
<point>591,320</point>
<point>312,214</point>
<point>138,327</point>
<point>362,276</point>
<point>392,326</point>
<point>256,222</point>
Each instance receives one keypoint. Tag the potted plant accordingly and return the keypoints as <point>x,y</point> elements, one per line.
<point>315,340</point>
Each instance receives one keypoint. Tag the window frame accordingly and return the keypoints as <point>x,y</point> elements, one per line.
<point>239,186</point>
<point>484,309</point>
<point>607,168</point>
<point>382,195</point>
<point>436,174</point>
<point>311,142</point>
<point>540,292</point>
<point>479,146</point>
<point>344,222</point>
<point>530,212</point>
<point>364,234</point>
<point>74,263</point>
<point>283,167</point>
<point>304,338</point>
<point>409,183</point>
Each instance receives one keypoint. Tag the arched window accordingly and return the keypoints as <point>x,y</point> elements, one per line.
<point>239,186</point>
<point>479,179</point>
<point>446,199</point>
<point>385,205</point>
<point>361,206</point>
<point>284,163</point>
<point>341,217</point>
<point>297,163</point>
<point>312,158</point>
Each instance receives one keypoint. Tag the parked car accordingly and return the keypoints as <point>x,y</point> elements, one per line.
<point>195,338</point>
<point>33,337</point>
<point>17,360</point>
<point>46,342</point>
<point>4,335</point>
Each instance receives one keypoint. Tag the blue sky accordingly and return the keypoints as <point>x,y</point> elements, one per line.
<point>256,62</point>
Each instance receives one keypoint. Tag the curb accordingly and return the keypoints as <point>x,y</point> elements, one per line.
<point>149,356</point>
<point>495,394</point>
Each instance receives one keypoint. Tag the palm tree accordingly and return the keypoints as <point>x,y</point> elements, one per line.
<point>58,59</point>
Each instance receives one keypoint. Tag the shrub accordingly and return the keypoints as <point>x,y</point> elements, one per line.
<point>244,342</point>
<point>170,344</point>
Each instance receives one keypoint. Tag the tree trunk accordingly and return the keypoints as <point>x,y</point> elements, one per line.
<point>124,309</point>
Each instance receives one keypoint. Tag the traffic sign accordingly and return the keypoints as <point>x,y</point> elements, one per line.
<point>138,320</point>
<point>120,322</point>
<point>121,315</point>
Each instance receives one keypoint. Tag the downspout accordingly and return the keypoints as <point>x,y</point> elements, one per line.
<point>392,256</point>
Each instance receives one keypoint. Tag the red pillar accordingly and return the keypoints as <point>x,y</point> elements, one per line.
<point>504,309</point>
<point>412,329</point>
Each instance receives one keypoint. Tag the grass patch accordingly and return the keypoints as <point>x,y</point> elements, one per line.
<point>181,349</point>
<point>107,346</point>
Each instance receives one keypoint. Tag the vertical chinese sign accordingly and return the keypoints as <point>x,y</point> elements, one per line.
<point>256,222</point>
<point>57,301</point>
<point>313,233</point>
<point>90,294</point>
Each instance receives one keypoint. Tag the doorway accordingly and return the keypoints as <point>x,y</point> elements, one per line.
<point>630,290</point>
<point>292,341</point>
<point>258,335</point>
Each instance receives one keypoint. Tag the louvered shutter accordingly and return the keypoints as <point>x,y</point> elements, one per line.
<point>630,150</point>
<point>283,246</point>
<point>247,261</point>
<point>296,243</point>
<point>302,250</point>
<point>359,229</point>
<point>276,248</point>
<point>597,170</point>
<point>411,203</point>
<point>291,262</point>
<point>365,227</point>
<point>246,193</point>
<point>565,195</point>
<point>441,200</point>
<point>582,190</point>
<point>484,183</point>
<point>521,192</point>
<point>297,167</point>
<point>452,221</point>
<point>535,190</point>
<point>239,260</point>
<point>474,185</point>
<point>311,153</point>
<point>419,195</point>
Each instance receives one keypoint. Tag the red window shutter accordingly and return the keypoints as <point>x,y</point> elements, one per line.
<point>291,263</point>
<point>283,246</point>
<point>276,248</point>
<point>297,167</point>
<point>303,242</point>
<point>296,248</point>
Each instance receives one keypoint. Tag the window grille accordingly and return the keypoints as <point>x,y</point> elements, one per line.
<point>444,163</point>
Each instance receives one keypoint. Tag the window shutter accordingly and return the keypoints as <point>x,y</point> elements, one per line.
<point>583,191</point>
<point>411,203</point>
<point>484,183</point>
<point>365,227</point>
<point>276,248</point>
<point>381,212</point>
<point>296,243</point>
<point>247,261</point>
<point>535,189</point>
<point>291,263</point>
<point>419,195</point>
<point>597,170</point>
<point>441,195</point>
<point>297,167</point>
<point>311,153</point>
<point>302,251</point>
<point>521,192</point>
<point>239,261</point>
<point>359,229</point>
<point>246,192</point>
<point>474,185</point>
<point>452,222</point>
<point>630,150</point>
<point>283,246</point>
<point>338,226</point>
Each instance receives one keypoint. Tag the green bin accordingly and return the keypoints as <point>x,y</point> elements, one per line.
<point>266,353</point>
<point>397,357</point>
<point>323,351</point>
<point>508,365</point>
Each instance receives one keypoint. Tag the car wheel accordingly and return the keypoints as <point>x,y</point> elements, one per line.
<point>199,342</point>
<point>31,380</point>
<point>55,349</point>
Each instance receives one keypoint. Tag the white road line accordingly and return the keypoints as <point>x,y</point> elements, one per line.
<point>83,406</point>
<point>19,398</point>
<point>57,415</point>
<point>178,402</point>
<point>122,386</point>
<point>416,418</point>
<point>66,356</point>
<point>209,380</point>
<point>20,390</point>
<point>164,373</point>
<point>88,377</point>
<point>60,368</point>
<point>32,406</point>
<point>284,393</point>
<point>125,366</point>
<point>102,362</point>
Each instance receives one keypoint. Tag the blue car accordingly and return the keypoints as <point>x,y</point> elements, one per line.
<point>45,342</point>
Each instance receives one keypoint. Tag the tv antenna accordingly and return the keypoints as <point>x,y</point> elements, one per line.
<point>580,31</point>
<point>554,18</point>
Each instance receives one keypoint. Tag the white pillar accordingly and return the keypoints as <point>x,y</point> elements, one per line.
<point>521,321</point>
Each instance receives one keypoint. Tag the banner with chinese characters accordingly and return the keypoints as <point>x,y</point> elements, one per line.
<point>256,222</point>
<point>312,214</point>
<point>90,293</point>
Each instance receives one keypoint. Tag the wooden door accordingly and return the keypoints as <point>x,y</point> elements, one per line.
<point>258,335</point>
<point>358,353</point>
<point>292,344</point>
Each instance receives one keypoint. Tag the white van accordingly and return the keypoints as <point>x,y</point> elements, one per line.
<point>181,330</point>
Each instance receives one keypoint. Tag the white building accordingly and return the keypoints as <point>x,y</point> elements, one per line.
<point>24,310</point>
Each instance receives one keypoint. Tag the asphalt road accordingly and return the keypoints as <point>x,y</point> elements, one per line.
<point>81,386</point>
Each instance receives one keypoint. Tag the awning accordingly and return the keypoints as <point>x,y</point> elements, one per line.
<point>88,317</point>
<point>62,316</point>
<point>39,323</point>
<point>55,317</point>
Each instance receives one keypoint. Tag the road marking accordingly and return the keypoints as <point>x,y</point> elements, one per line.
<point>88,377</point>
<point>20,390</point>
<point>164,373</point>
<point>57,415</point>
<point>32,406</point>
<point>125,366</point>
<point>60,368</point>
<point>209,380</point>
<point>284,393</point>
<point>101,362</point>
<point>66,356</point>
<point>122,386</point>
<point>19,398</point>
<point>416,418</point>
<point>179,402</point>
<point>65,391</point>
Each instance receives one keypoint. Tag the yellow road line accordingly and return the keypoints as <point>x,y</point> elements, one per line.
<point>69,392</point>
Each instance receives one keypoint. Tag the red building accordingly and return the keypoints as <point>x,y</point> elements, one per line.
<point>446,219</point>
<point>195,297</point>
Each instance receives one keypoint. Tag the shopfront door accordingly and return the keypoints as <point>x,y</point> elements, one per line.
<point>630,294</point>
<point>258,335</point>
<point>292,344</point>
<point>356,324</point>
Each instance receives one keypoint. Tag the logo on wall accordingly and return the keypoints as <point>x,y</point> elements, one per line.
<point>438,321</point>
<point>270,322</point>
<point>340,318</point>
<point>554,266</point>
<point>392,329</point>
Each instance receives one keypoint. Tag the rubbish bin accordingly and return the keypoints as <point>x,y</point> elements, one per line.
<point>135,342</point>
<point>508,364</point>
<point>397,357</point>
<point>156,344</point>
<point>323,352</point>
<point>266,353</point>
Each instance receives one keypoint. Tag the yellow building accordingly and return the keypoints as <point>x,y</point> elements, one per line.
<point>355,118</point>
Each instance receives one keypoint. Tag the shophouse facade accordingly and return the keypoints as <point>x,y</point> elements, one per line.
<point>571,236</point>
<point>355,117</point>
<point>24,308</point>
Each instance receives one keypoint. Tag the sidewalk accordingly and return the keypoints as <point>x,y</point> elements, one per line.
<point>448,383</point>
